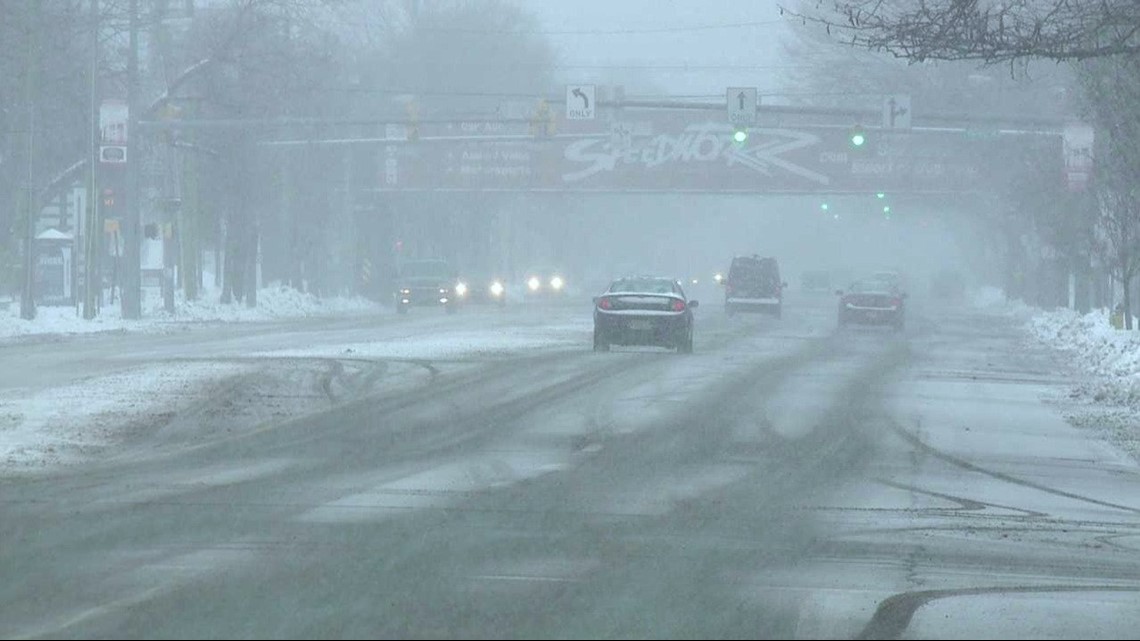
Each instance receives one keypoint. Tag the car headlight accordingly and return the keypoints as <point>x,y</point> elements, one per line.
<point>461,289</point>
<point>556,282</point>
<point>719,278</point>
<point>497,288</point>
<point>533,283</point>
<point>405,291</point>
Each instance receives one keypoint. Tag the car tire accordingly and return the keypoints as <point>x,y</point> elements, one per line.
<point>686,345</point>
<point>600,343</point>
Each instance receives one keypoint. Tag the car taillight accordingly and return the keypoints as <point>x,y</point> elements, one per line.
<point>678,305</point>
<point>605,303</point>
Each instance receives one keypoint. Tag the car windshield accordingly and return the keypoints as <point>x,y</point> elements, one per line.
<point>426,269</point>
<point>569,319</point>
<point>864,286</point>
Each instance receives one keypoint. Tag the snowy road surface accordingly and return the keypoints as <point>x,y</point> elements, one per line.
<point>487,475</point>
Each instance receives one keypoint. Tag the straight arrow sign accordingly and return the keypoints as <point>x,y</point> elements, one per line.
<point>741,102</point>
<point>896,112</point>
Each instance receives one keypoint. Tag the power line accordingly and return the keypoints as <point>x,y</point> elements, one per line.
<point>600,32</point>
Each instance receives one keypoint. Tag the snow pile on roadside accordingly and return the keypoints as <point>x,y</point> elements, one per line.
<point>67,424</point>
<point>1112,356</point>
<point>273,303</point>
<point>1107,399</point>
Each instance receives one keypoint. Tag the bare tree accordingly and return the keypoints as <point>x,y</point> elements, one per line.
<point>1112,90</point>
<point>999,31</point>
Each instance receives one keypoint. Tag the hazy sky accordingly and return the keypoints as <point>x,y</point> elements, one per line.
<point>660,34</point>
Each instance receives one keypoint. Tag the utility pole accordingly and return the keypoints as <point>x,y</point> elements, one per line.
<point>132,277</point>
<point>92,275</point>
<point>31,78</point>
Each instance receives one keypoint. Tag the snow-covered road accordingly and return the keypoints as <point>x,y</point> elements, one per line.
<point>488,475</point>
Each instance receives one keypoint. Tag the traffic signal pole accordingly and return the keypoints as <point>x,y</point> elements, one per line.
<point>31,93</point>
<point>131,275</point>
<point>92,274</point>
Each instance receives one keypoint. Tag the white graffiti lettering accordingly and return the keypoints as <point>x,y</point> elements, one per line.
<point>698,143</point>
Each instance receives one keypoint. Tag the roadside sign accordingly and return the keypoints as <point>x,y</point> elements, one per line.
<point>896,112</point>
<point>113,117</point>
<point>741,103</point>
<point>112,154</point>
<point>580,102</point>
<point>1078,149</point>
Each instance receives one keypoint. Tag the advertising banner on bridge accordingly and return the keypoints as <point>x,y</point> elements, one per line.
<point>683,154</point>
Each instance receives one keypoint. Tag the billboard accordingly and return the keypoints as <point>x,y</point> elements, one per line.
<point>675,153</point>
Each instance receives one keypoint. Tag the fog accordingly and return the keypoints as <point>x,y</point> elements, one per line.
<point>319,145</point>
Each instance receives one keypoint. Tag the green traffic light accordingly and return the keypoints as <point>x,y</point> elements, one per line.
<point>858,140</point>
<point>740,135</point>
<point>887,209</point>
<point>824,206</point>
<point>880,195</point>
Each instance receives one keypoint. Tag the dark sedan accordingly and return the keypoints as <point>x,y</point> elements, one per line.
<point>872,301</point>
<point>644,311</point>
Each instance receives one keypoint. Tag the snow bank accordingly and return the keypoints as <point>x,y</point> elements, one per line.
<point>1112,356</point>
<point>273,303</point>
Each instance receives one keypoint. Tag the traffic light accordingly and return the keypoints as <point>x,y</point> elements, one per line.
<point>858,136</point>
<point>542,123</point>
<point>740,135</point>
<point>412,127</point>
<point>108,198</point>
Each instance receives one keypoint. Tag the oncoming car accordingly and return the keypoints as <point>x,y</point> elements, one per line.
<point>544,282</point>
<point>482,289</point>
<point>644,310</point>
<point>429,283</point>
